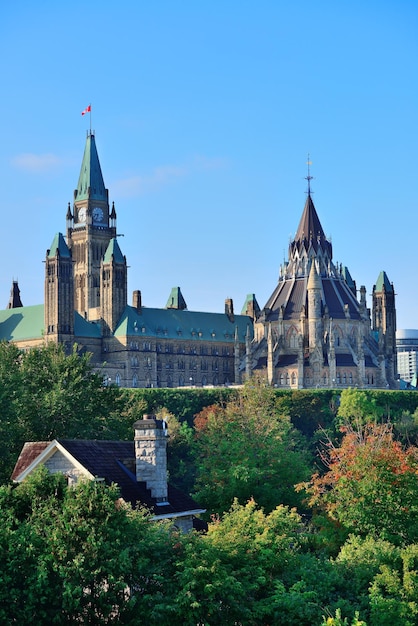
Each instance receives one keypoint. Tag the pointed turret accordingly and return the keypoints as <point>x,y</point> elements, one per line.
<point>14,301</point>
<point>384,320</point>
<point>314,292</point>
<point>113,285</point>
<point>176,300</point>
<point>59,292</point>
<point>310,233</point>
<point>90,182</point>
<point>251,307</point>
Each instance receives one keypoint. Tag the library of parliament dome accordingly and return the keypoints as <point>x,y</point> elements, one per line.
<point>313,332</point>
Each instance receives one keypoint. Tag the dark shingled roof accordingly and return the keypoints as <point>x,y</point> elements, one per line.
<point>114,461</point>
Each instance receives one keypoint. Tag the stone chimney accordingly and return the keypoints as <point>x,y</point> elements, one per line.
<point>137,301</point>
<point>229,309</point>
<point>151,456</point>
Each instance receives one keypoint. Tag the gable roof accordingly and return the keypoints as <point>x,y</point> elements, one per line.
<point>112,461</point>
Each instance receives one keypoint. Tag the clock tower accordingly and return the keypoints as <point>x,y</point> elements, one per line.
<point>91,225</point>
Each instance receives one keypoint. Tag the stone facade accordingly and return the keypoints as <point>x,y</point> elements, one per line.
<point>313,332</point>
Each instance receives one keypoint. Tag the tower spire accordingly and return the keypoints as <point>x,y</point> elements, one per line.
<point>309,177</point>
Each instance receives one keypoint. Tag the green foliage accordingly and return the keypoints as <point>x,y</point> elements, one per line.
<point>232,574</point>
<point>339,621</point>
<point>357,407</point>
<point>45,393</point>
<point>79,555</point>
<point>394,592</point>
<point>248,450</point>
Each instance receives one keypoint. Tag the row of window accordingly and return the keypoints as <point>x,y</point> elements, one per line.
<point>340,379</point>
<point>146,346</point>
<point>181,381</point>
<point>181,364</point>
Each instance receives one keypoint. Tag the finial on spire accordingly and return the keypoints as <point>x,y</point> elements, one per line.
<point>309,177</point>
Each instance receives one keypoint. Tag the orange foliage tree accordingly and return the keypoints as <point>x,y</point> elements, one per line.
<point>371,484</point>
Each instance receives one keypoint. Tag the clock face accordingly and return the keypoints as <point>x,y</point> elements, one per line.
<point>82,215</point>
<point>98,214</point>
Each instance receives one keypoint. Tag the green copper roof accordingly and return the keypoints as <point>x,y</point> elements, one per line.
<point>83,328</point>
<point>383,281</point>
<point>347,276</point>
<point>26,322</point>
<point>176,300</point>
<point>180,324</point>
<point>58,244</point>
<point>91,183</point>
<point>114,250</point>
<point>250,300</point>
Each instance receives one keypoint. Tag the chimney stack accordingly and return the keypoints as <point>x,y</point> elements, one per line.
<point>229,309</point>
<point>137,301</point>
<point>151,456</point>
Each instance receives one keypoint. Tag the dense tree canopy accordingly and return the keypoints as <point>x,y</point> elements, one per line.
<point>247,449</point>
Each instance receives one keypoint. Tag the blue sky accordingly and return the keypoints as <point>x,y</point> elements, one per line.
<point>204,114</point>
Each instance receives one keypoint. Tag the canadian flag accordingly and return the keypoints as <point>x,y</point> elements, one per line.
<point>86,110</point>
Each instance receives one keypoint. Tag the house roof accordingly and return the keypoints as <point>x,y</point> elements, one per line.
<point>113,461</point>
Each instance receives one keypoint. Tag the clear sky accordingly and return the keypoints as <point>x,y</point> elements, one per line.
<point>204,113</point>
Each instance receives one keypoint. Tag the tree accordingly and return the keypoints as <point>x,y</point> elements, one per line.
<point>357,408</point>
<point>371,485</point>
<point>245,450</point>
<point>394,592</point>
<point>232,574</point>
<point>45,393</point>
<point>80,555</point>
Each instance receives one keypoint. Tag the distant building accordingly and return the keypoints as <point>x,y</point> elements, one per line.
<point>86,303</point>
<point>407,355</point>
<point>312,332</point>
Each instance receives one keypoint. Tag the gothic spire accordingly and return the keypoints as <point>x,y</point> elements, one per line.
<point>90,183</point>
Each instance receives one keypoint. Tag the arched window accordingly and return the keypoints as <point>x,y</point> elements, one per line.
<point>117,379</point>
<point>293,378</point>
<point>293,338</point>
<point>134,380</point>
<point>281,379</point>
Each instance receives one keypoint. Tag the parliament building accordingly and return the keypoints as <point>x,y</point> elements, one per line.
<point>312,333</point>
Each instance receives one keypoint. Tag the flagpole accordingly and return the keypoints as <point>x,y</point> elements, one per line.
<point>90,116</point>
